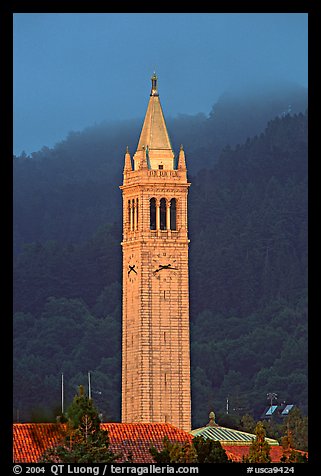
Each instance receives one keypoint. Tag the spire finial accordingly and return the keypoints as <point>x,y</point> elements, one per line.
<point>212,419</point>
<point>154,91</point>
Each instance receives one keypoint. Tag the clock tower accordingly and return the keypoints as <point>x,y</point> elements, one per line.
<point>155,319</point>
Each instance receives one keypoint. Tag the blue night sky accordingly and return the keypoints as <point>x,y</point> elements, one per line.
<point>74,70</point>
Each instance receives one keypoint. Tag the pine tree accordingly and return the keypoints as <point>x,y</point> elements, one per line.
<point>83,440</point>
<point>259,451</point>
<point>298,426</point>
<point>289,453</point>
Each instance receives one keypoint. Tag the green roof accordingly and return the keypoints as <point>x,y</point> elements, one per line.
<point>228,435</point>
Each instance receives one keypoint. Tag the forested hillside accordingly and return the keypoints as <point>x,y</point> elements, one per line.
<point>248,262</point>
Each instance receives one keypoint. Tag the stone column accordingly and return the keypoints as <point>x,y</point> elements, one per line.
<point>131,215</point>
<point>157,214</point>
<point>135,214</point>
<point>168,214</point>
<point>128,211</point>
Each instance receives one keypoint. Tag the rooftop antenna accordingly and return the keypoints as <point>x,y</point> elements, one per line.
<point>272,396</point>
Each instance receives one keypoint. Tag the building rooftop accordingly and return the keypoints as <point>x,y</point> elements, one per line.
<point>31,440</point>
<point>227,436</point>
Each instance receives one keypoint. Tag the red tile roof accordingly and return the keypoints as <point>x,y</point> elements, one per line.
<point>30,440</point>
<point>236,452</point>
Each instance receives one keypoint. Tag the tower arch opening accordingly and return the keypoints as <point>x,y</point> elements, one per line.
<point>173,214</point>
<point>163,213</point>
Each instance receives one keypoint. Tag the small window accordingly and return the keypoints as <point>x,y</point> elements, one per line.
<point>161,167</point>
<point>163,214</point>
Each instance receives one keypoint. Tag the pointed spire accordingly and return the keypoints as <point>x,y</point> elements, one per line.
<point>154,135</point>
<point>181,159</point>
<point>128,162</point>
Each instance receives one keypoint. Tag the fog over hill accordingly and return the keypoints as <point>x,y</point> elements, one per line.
<point>81,174</point>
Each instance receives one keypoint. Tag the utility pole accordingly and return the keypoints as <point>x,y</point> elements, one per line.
<point>89,386</point>
<point>62,394</point>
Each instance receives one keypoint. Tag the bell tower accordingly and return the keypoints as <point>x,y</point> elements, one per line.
<point>155,308</point>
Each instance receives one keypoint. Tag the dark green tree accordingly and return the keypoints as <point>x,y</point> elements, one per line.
<point>209,451</point>
<point>248,423</point>
<point>83,440</point>
<point>174,452</point>
<point>199,451</point>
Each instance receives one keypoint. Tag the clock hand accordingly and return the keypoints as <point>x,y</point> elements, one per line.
<point>163,266</point>
<point>131,268</point>
<point>160,267</point>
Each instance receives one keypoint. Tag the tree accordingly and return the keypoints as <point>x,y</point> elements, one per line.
<point>200,451</point>
<point>297,425</point>
<point>83,440</point>
<point>173,452</point>
<point>209,451</point>
<point>248,423</point>
<point>289,454</point>
<point>259,451</point>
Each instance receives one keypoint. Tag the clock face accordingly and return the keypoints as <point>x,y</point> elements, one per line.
<point>132,268</point>
<point>164,266</point>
